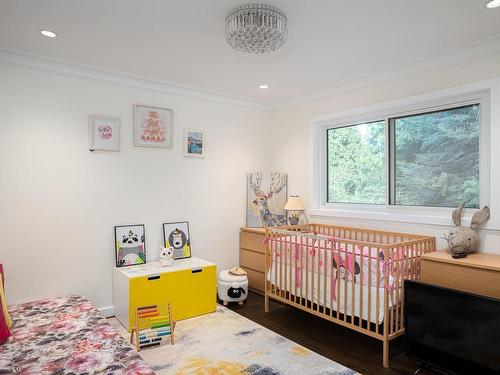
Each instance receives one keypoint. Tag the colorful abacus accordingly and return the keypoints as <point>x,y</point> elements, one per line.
<point>153,324</point>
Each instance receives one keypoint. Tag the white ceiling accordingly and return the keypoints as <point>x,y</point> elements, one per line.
<point>183,41</point>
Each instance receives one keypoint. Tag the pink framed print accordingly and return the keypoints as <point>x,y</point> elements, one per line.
<point>104,133</point>
<point>152,126</point>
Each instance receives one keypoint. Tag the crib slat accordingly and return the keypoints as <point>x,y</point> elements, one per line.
<point>345,283</point>
<point>290,268</point>
<point>399,273</point>
<point>392,265</point>
<point>420,250</point>
<point>353,293</point>
<point>338,280</point>
<point>281,266</point>
<point>296,265</point>
<point>405,276</point>
<point>361,289</point>
<point>275,255</point>
<point>311,254</point>
<point>332,278</point>
<point>287,267</point>
<point>414,252</point>
<point>307,271</point>
<point>302,271</point>
<point>325,276</point>
<point>316,253</point>
<point>377,297</point>
<point>370,265</point>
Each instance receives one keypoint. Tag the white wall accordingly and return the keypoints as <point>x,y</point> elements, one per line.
<point>289,127</point>
<point>59,202</point>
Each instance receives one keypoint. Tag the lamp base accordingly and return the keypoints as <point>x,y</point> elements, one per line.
<point>293,220</point>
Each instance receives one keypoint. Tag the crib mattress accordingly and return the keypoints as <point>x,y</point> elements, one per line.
<point>342,292</point>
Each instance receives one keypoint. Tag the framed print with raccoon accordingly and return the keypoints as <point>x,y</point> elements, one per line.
<point>176,235</point>
<point>130,245</point>
<point>152,126</point>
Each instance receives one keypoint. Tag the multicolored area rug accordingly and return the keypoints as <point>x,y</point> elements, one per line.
<point>227,343</point>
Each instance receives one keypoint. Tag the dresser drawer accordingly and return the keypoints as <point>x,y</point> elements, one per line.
<point>252,260</point>
<point>190,292</point>
<point>475,280</point>
<point>252,241</point>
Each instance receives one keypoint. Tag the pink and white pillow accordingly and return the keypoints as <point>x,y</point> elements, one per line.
<point>5,322</point>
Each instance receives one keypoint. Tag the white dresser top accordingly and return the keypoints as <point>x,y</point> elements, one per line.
<point>152,268</point>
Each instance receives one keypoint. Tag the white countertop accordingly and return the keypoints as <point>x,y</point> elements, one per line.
<point>152,268</point>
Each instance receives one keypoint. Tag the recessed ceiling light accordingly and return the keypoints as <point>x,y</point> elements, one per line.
<point>263,87</point>
<point>48,33</point>
<point>493,4</point>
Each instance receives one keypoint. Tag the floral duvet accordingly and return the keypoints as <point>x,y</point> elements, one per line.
<point>66,336</point>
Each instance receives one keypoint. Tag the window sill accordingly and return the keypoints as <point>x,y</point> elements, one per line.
<point>412,215</point>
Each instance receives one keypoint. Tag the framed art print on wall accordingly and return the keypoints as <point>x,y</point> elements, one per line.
<point>104,133</point>
<point>266,199</point>
<point>194,143</point>
<point>130,245</point>
<point>152,126</point>
<point>176,235</point>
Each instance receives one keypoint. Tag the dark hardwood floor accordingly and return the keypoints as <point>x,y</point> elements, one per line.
<point>349,348</point>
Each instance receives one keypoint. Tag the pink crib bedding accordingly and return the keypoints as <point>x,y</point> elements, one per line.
<point>363,265</point>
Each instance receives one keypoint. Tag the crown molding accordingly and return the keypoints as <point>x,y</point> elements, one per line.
<point>451,57</point>
<point>479,48</point>
<point>17,58</point>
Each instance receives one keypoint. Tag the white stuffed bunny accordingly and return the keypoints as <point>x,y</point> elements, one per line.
<point>166,256</point>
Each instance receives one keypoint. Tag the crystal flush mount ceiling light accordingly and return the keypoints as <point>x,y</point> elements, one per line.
<point>256,28</point>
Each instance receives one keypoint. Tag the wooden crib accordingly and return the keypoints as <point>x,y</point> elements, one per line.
<point>350,276</point>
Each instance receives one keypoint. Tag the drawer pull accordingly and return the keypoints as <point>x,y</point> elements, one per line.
<point>196,270</point>
<point>153,277</point>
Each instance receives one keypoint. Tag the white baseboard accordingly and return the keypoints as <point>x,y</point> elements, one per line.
<point>108,312</point>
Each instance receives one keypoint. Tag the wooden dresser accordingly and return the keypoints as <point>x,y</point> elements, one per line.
<point>478,273</point>
<point>252,257</point>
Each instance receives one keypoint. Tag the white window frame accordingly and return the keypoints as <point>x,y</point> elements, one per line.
<point>386,111</point>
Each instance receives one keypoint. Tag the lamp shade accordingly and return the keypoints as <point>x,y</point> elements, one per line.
<point>294,203</point>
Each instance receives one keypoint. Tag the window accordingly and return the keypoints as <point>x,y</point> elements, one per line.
<point>436,158</point>
<point>422,157</point>
<point>356,158</point>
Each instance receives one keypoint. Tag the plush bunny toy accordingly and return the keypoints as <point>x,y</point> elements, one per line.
<point>461,240</point>
<point>166,256</point>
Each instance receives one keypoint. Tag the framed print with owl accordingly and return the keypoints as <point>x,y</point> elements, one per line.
<point>130,245</point>
<point>176,235</point>
<point>152,126</point>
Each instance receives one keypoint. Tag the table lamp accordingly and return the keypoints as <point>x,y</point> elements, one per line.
<point>295,205</point>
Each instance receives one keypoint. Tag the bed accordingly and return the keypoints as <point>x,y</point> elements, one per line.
<point>66,336</point>
<point>350,276</point>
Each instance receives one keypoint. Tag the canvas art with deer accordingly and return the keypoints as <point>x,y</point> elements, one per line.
<point>266,199</point>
